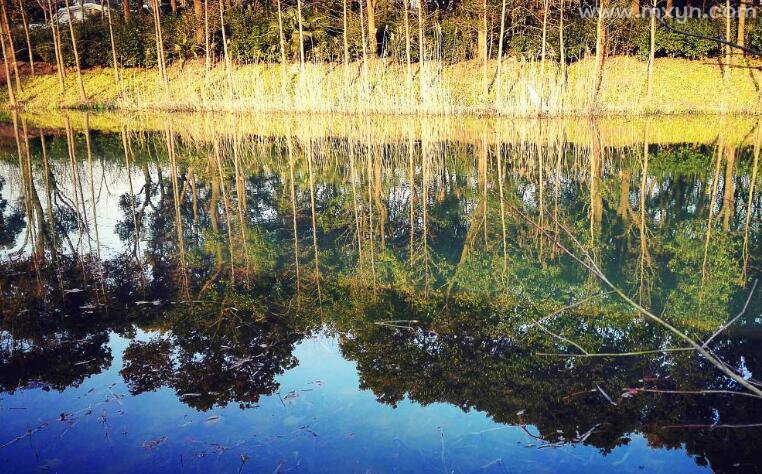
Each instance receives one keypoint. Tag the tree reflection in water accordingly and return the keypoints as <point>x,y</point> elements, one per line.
<point>419,263</point>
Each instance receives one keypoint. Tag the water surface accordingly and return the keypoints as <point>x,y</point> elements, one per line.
<point>247,294</point>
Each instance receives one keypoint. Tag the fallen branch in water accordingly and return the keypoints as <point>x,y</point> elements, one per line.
<point>690,392</point>
<point>617,354</point>
<point>593,268</point>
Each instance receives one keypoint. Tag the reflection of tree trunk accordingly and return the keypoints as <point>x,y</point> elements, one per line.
<point>642,223</point>
<point>411,180</point>
<point>92,185</point>
<point>713,196</point>
<point>624,193</point>
<point>596,201</point>
<point>176,202</point>
<point>377,185</point>
<point>241,201</point>
<point>135,223</point>
<point>226,209</point>
<point>502,208</point>
<point>353,178</point>
<point>293,211</point>
<point>728,193</point>
<point>312,210</point>
<point>371,230</point>
<point>749,208</point>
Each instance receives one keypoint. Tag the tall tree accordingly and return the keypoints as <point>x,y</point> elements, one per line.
<point>80,83</point>
<point>370,7</point>
<point>9,44</point>
<point>26,35</point>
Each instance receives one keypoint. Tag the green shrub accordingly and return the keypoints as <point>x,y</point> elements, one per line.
<point>676,45</point>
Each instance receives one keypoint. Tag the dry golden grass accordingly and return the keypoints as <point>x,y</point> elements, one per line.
<point>607,132</point>
<point>680,86</point>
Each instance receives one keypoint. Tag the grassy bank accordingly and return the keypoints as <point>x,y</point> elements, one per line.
<point>524,89</point>
<point>605,132</point>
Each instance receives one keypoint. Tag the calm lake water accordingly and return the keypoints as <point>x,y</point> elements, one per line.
<point>226,293</point>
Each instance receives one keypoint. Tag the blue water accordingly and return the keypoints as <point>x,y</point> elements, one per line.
<point>320,421</point>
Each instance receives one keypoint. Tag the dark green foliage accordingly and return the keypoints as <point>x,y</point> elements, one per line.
<point>670,43</point>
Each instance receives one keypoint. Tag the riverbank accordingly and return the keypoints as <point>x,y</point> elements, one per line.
<point>604,132</point>
<point>525,89</point>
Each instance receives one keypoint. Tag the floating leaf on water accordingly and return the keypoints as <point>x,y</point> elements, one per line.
<point>213,419</point>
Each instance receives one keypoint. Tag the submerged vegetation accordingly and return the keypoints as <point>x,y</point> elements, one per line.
<point>476,57</point>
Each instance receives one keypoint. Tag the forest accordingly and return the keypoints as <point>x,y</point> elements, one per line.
<point>545,57</point>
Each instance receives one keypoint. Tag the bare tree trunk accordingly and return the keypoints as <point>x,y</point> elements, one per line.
<point>364,50</point>
<point>498,79</point>
<point>159,42</point>
<point>561,45</point>
<point>600,51</point>
<point>301,34</point>
<point>28,40</point>
<point>282,44</point>
<point>173,6</point>
<point>742,10</point>
<point>80,84</point>
<point>198,13</point>
<point>482,47</point>
<point>728,49</point>
<point>9,44</point>
<point>11,95</point>
<point>60,69</point>
<point>346,29</point>
<point>421,46</point>
<point>372,42</point>
<point>113,42</point>
<point>126,10</point>
<point>207,58</point>
<point>228,69</point>
<point>407,41</point>
<point>652,51</point>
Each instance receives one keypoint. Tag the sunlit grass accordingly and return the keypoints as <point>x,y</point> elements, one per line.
<point>525,88</point>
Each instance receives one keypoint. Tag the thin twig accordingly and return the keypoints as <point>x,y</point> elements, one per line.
<point>730,323</point>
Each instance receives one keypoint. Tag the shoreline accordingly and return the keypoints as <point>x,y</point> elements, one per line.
<point>468,89</point>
